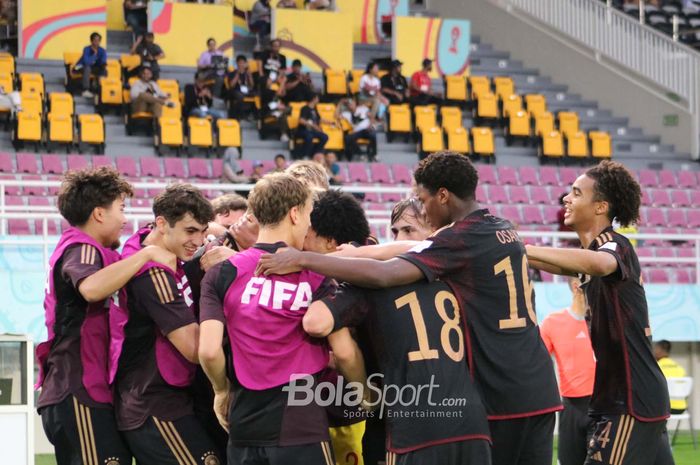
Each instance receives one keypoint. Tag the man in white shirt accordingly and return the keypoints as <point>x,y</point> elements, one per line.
<point>146,96</point>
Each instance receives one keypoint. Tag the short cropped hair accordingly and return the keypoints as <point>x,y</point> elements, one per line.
<point>338,215</point>
<point>412,205</point>
<point>227,202</point>
<point>450,170</point>
<point>310,173</point>
<point>617,186</point>
<point>95,35</point>
<point>664,345</point>
<point>177,200</point>
<point>275,195</point>
<point>83,191</point>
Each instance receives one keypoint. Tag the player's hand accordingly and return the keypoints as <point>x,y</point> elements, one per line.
<point>222,403</point>
<point>285,261</point>
<point>346,251</point>
<point>162,256</point>
<point>215,255</point>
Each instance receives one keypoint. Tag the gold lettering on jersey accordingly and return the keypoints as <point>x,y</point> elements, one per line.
<point>507,236</point>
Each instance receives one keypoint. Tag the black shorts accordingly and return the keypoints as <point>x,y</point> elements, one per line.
<point>523,441</point>
<point>474,452</point>
<point>82,434</point>
<point>624,440</point>
<point>180,442</point>
<point>319,453</point>
<point>575,429</point>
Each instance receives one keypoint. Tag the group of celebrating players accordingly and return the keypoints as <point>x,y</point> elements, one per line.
<point>187,349</point>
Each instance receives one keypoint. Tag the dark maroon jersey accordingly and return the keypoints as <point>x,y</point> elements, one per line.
<point>483,261</point>
<point>627,378</point>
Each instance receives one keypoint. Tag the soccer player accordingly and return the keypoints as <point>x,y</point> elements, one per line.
<point>565,333</point>
<point>408,222</point>
<point>482,259</point>
<point>158,333</point>
<point>270,349</point>
<point>310,173</point>
<point>228,208</point>
<point>630,398</point>
<point>75,402</point>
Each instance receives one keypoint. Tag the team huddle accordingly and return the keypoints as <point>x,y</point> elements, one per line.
<point>292,338</point>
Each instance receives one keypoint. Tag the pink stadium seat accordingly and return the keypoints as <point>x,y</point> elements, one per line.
<point>10,190</point>
<point>101,160</point>
<point>687,179</point>
<point>680,198</point>
<point>548,176</point>
<point>402,174</point>
<point>174,167</point>
<point>510,213</point>
<point>667,178</point>
<point>268,165</point>
<point>26,163</point>
<point>141,203</point>
<point>683,276</point>
<point>648,178</point>
<point>550,214</point>
<point>497,194</point>
<point>518,194</point>
<point>246,166</point>
<point>14,200</point>
<point>546,277</point>
<point>198,168</point>
<point>507,175</point>
<point>657,276</point>
<point>676,218</point>
<point>392,198</point>
<point>654,217</point>
<point>666,252</point>
<point>357,172</point>
<point>33,190</point>
<point>39,202</point>
<point>127,166</point>
<point>532,214</point>
<point>487,174</point>
<point>660,197</point>
<point>567,176</point>
<point>78,162</point>
<point>18,227</point>
<point>51,228</point>
<point>528,176</point>
<point>481,193</point>
<point>685,252</point>
<point>52,164</point>
<point>53,190</point>
<point>644,252</point>
<point>150,166</point>
<point>6,163</point>
<point>646,198</point>
<point>539,194</point>
<point>695,198</point>
<point>217,168</point>
<point>380,173</point>
<point>372,197</point>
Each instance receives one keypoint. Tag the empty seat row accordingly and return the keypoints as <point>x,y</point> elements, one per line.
<point>169,133</point>
<point>59,129</point>
<point>671,197</point>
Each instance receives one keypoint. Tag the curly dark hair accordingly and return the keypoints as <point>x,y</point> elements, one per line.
<point>338,215</point>
<point>617,186</point>
<point>450,170</point>
<point>177,200</point>
<point>83,191</point>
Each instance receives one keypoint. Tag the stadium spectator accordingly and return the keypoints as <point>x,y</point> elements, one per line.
<point>150,53</point>
<point>10,101</point>
<point>258,172</point>
<point>228,208</point>
<point>421,86</point>
<point>361,126</point>
<point>93,62</point>
<point>232,171</point>
<point>146,96</point>
<point>298,87</point>
<point>136,16</point>
<point>291,4</point>
<point>671,369</point>
<point>239,84</point>
<point>310,129</point>
<point>394,85</point>
<point>274,111</point>
<point>370,91</point>
<point>408,221</point>
<point>199,101</point>
<point>317,4</point>
<point>333,169</point>
<point>214,64</point>
<point>280,163</point>
<point>260,20</point>
<point>274,64</point>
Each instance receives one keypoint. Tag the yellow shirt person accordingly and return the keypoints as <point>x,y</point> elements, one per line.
<point>671,369</point>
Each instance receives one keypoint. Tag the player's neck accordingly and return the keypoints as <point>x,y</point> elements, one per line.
<point>154,238</point>
<point>578,308</point>
<point>589,233</point>
<point>463,209</point>
<point>280,233</point>
<point>90,230</point>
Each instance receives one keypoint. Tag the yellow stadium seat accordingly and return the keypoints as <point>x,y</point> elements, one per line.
<point>568,122</point>
<point>293,118</point>
<point>71,79</point>
<point>7,63</point>
<point>336,139</point>
<point>253,66</point>
<point>60,128</point>
<point>174,111</point>
<point>91,130</point>
<point>457,140</point>
<point>28,127</point>
<point>32,83</point>
<point>425,117</point>
<point>6,81</point>
<point>110,93</point>
<point>544,123</point>
<point>355,76</point>
<point>451,117</point>
<point>456,88</point>
<point>552,145</point>
<point>32,103</point>
<point>336,83</point>
<point>229,133</point>
<point>512,104</point>
<point>431,140</point>
<point>536,104</point>
<point>170,87</point>
<point>601,144</point>
<point>577,145</point>
<point>479,85</point>
<point>504,87</point>
<point>61,103</point>
<point>518,126</point>
<point>326,111</point>
<point>114,69</point>
<point>487,106</point>
<point>399,120</point>
<point>482,142</point>
<point>200,132</point>
<point>169,134</point>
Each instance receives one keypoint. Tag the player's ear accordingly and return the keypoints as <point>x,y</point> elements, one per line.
<point>602,207</point>
<point>98,214</point>
<point>443,195</point>
<point>331,245</point>
<point>161,222</point>
<point>294,215</point>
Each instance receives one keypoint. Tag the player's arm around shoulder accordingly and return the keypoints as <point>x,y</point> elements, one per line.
<point>572,261</point>
<point>318,320</point>
<point>376,252</point>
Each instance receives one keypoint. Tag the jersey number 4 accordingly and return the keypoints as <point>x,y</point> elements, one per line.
<point>506,266</point>
<point>424,351</point>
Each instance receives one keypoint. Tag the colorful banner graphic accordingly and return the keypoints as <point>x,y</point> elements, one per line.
<point>445,41</point>
<point>319,39</point>
<point>368,16</point>
<point>182,30</point>
<point>48,29</point>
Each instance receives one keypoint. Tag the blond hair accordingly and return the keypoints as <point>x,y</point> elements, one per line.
<point>310,173</point>
<point>275,195</point>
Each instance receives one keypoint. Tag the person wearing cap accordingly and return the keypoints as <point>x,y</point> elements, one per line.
<point>421,92</point>
<point>394,85</point>
<point>258,172</point>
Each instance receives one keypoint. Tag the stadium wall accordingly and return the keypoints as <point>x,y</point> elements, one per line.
<point>572,64</point>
